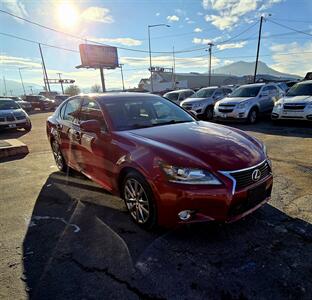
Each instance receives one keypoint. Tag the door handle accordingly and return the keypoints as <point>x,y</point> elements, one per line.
<point>77,135</point>
<point>59,126</point>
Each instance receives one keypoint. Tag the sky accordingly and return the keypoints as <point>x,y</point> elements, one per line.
<point>232,25</point>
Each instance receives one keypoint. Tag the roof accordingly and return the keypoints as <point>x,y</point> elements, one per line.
<point>253,84</point>
<point>178,91</point>
<point>103,97</point>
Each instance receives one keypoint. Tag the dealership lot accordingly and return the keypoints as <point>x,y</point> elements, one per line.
<point>62,236</point>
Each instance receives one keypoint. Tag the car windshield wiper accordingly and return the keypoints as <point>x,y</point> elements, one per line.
<point>172,122</point>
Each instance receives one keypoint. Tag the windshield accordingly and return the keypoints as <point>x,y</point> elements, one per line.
<point>172,96</point>
<point>8,104</point>
<point>203,93</point>
<point>134,114</point>
<point>304,89</point>
<point>246,91</point>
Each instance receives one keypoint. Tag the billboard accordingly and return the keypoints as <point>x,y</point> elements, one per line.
<point>94,56</point>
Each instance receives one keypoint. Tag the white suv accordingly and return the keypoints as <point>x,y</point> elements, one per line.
<point>297,104</point>
<point>247,102</point>
<point>179,95</point>
<point>203,101</point>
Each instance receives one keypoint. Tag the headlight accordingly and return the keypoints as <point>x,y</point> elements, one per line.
<point>278,104</point>
<point>188,175</point>
<point>242,105</point>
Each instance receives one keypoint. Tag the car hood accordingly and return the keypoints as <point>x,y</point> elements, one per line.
<point>195,100</point>
<point>297,99</point>
<point>234,100</point>
<point>15,112</point>
<point>202,144</point>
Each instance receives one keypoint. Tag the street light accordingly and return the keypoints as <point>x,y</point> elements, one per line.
<point>149,48</point>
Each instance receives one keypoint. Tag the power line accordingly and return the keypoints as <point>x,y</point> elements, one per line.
<point>290,28</point>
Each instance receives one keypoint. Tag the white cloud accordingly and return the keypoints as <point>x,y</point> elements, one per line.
<point>120,41</point>
<point>97,14</point>
<point>16,7</point>
<point>201,41</point>
<point>190,22</point>
<point>198,29</point>
<point>180,12</point>
<point>15,61</point>
<point>200,13</point>
<point>173,18</point>
<point>227,13</point>
<point>299,63</point>
<point>157,14</point>
<point>232,45</point>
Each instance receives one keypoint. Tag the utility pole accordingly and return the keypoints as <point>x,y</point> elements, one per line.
<point>59,74</point>
<point>46,80</point>
<point>11,92</point>
<point>173,69</point>
<point>31,90</point>
<point>20,73</point>
<point>209,70</point>
<point>258,49</point>
<point>122,77</point>
<point>5,87</point>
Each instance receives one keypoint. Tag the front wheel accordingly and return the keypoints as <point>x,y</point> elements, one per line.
<point>208,113</point>
<point>252,116</point>
<point>28,127</point>
<point>139,200</point>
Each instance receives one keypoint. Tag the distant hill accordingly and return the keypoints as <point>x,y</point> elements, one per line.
<point>17,89</point>
<point>242,68</point>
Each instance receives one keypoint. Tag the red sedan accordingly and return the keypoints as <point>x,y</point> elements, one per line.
<point>167,166</point>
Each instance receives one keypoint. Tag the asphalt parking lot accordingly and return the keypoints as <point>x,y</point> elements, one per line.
<point>63,237</point>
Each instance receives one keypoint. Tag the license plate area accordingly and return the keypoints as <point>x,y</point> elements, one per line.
<point>12,125</point>
<point>257,195</point>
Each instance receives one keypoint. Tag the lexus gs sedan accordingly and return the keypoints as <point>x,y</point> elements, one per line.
<point>167,166</point>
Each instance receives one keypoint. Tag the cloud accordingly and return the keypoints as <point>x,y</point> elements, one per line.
<point>97,14</point>
<point>198,29</point>
<point>232,45</point>
<point>120,41</point>
<point>173,18</point>
<point>201,41</point>
<point>180,12</point>
<point>299,63</point>
<point>19,62</point>
<point>157,14</point>
<point>228,13</point>
<point>16,7</point>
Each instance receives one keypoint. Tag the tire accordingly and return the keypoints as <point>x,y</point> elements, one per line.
<point>252,116</point>
<point>28,127</point>
<point>139,200</point>
<point>208,115</point>
<point>58,156</point>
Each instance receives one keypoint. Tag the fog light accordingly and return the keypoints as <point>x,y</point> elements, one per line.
<point>185,215</point>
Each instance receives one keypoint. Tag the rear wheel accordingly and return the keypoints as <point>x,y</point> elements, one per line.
<point>58,157</point>
<point>139,200</point>
<point>252,116</point>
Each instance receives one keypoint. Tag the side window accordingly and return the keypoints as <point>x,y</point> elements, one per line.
<point>273,90</point>
<point>218,94</point>
<point>72,110</point>
<point>182,96</point>
<point>90,110</point>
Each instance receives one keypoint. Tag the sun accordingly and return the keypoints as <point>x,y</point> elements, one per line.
<point>67,15</point>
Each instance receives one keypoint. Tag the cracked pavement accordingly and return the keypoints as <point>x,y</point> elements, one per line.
<point>63,237</point>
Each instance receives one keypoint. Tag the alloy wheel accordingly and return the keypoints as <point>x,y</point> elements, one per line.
<point>253,116</point>
<point>136,201</point>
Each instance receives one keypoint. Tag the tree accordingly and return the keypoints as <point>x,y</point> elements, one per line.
<point>72,90</point>
<point>96,88</point>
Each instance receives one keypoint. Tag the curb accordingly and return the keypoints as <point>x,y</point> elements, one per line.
<point>12,147</point>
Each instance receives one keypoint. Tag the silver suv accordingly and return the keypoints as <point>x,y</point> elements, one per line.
<point>203,101</point>
<point>179,95</point>
<point>247,102</point>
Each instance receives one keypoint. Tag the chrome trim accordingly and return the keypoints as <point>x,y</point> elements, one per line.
<point>227,173</point>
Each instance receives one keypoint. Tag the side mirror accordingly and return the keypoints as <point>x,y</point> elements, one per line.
<point>91,126</point>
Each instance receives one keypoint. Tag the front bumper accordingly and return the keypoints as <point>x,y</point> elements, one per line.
<point>286,114</point>
<point>196,110</point>
<point>14,124</point>
<point>209,203</point>
<point>235,114</point>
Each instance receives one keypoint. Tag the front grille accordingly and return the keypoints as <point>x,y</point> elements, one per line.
<point>295,106</point>
<point>244,178</point>
<point>20,118</point>
<point>225,110</point>
<point>2,119</point>
<point>255,197</point>
<point>10,118</point>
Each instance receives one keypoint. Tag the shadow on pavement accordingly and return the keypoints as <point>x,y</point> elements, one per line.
<point>12,133</point>
<point>81,244</point>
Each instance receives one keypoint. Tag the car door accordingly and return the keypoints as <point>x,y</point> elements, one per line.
<point>95,149</point>
<point>264,99</point>
<point>217,95</point>
<point>68,132</point>
<point>274,96</point>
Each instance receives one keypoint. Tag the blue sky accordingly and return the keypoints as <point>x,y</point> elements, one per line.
<point>124,23</point>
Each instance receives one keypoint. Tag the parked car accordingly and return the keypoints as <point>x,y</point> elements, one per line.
<point>247,102</point>
<point>40,102</point>
<point>168,167</point>
<point>13,116</point>
<point>297,104</point>
<point>58,99</point>
<point>23,104</point>
<point>283,86</point>
<point>203,101</point>
<point>179,95</point>
<point>291,83</point>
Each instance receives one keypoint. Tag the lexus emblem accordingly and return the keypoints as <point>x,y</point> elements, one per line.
<point>256,174</point>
